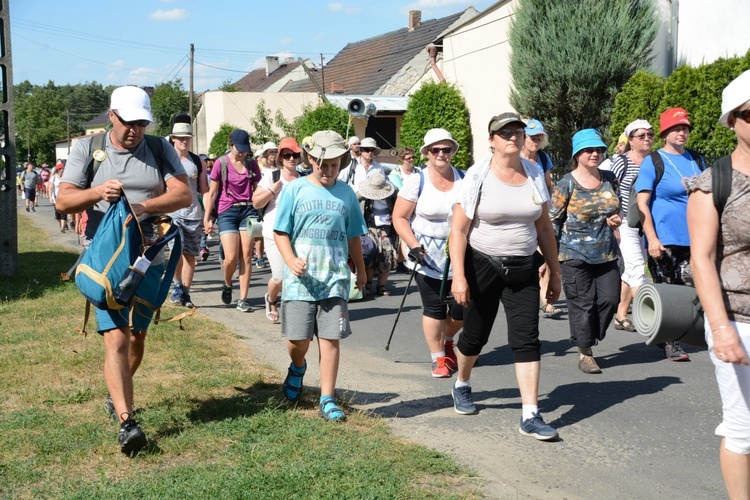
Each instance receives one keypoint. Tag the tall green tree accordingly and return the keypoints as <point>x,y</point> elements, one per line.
<point>325,116</point>
<point>168,99</point>
<point>438,105</point>
<point>288,127</point>
<point>40,120</point>
<point>262,124</point>
<point>569,59</point>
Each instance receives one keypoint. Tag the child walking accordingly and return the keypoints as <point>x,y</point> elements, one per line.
<point>318,226</point>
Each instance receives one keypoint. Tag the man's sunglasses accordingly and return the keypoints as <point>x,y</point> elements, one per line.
<point>289,156</point>
<point>744,114</point>
<point>134,123</point>
<point>508,133</point>
<point>367,150</point>
<point>447,150</point>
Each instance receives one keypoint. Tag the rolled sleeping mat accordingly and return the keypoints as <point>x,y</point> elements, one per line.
<point>664,313</point>
<point>254,227</point>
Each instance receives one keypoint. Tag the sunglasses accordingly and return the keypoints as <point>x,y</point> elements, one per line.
<point>509,133</point>
<point>592,150</point>
<point>409,158</point>
<point>446,150</point>
<point>744,114</point>
<point>367,150</point>
<point>134,123</point>
<point>289,156</point>
<point>642,136</point>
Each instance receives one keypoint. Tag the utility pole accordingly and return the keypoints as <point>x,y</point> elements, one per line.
<point>67,113</point>
<point>8,213</point>
<point>192,60</point>
<point>322,72</point>
<point>28,142</point>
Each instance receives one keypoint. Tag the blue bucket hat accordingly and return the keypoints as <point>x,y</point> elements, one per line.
<point>587,138</point>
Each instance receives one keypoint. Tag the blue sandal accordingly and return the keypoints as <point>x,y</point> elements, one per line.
<point>330,411</point>
<point>292,387</point>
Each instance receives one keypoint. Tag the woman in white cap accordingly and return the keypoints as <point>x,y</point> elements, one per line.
<point>495,231</point>
<point>585,214</point>
<point>318,225</point>
<point>720,252</point>
<point>421,220</point>
<point>640,137</point>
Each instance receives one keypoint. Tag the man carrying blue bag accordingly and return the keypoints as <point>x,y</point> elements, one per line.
<point>97,172</point>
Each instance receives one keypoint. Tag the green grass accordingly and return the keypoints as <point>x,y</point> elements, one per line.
<point>216,425</point>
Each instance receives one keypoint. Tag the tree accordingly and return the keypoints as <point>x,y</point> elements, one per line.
<point>40,120</point>
<point>325,116</point>
<point>263,125</point>
<point>569,59</point>
<point>168,99</point>
<point>639,99</point>
<point>289,129</point>
<point>438,105</point>
<point>220,140</point>
<point>227,86</point>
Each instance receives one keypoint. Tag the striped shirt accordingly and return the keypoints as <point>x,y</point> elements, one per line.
<point>626,171</point>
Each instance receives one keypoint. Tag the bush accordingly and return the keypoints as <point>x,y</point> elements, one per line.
<point>639,100</point>
<point>438,105</point>
<point>325,116</point>
<point>220,140</point>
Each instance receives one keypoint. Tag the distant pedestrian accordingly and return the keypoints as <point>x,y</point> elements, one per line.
<point>318,225</point>
<point>30,180</point>
<point>55,182</point>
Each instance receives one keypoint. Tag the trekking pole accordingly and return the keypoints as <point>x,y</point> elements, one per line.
<point>411,277</point>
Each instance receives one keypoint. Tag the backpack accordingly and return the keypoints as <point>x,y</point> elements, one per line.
<point>113,265</point>
<point>721,183</point>
<point>634,215</point>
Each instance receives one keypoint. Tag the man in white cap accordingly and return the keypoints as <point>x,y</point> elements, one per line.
<point>154,186</point>
<point>188,220</point>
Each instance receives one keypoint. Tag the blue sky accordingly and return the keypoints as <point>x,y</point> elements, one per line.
<point>147,42</point>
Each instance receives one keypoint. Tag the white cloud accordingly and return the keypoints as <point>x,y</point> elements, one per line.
<point>340,7</point>
<point>285,41</point>
<point>169,15</point>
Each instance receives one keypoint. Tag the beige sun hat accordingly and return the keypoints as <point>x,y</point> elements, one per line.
<point>436,135</point>
<point>324,145</point>
<point>369,142</point>
<point>182,130</point>
<point>375,187</point>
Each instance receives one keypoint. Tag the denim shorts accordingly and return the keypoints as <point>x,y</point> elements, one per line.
<point>234,219</point>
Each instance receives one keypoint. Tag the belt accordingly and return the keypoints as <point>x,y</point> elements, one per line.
<point>242,204</point>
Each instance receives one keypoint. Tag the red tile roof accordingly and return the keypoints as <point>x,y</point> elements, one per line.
<point>257,81</point>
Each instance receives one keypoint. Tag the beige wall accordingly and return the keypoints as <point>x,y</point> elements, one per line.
<point>238,108</point>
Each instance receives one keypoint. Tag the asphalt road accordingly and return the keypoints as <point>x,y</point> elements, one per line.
<point>641,429</point>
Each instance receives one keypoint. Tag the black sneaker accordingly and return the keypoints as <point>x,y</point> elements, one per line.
<point>131,438</point>
<point>674,352</point>
<point>109,407</point>
<point>226,294</point>
<point>186,302</point>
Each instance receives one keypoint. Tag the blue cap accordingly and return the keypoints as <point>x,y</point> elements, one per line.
<point>534,127</point>
<point>587,138</point>
<point>241,140</point>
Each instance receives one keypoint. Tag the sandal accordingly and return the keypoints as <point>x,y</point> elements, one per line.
<point>270,313</point>
<point>292,387</point>
<point>550,311</point>
<point>382,290</point>
<point>624,324</point>
<point>329,411</point>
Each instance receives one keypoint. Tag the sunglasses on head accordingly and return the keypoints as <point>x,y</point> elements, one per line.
<point>289,156</point>
<point>642,136</point>
<point>367,150</point>
<point>446,150</point>
<point>134,123</point>
<point>508,133</point>
<point>592,150</point>
<point>744,114</point>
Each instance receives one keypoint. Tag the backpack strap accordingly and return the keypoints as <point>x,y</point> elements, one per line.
<point>697,158</point>
<point>721,183</point>
<point>97,144</point>
<point>197,160</point>
<point>658,168</point>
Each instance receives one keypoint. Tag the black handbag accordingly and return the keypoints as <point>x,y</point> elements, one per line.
<point>512,269</point>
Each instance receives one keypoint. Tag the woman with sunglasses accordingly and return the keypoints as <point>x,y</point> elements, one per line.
<point>420,217</point>
<point>401,172</point>
<point>720,251</point>
<point>625,166</point>
<point>585,213</point>
<point>495,231</point>
<point>662,204</point>
<point>269,189</point>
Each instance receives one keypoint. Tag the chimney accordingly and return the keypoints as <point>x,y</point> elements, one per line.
<point>272,64</point>
<point>337,88</point>
<point>415,17</point>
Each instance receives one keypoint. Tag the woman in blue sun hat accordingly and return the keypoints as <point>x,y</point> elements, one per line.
<point>585,213</point>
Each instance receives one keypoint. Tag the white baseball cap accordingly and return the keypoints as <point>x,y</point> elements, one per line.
<point>734,95</point>
<point>131,103</point>
<point>635,125</point>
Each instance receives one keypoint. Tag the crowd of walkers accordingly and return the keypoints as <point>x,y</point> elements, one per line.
<point>331,221</point>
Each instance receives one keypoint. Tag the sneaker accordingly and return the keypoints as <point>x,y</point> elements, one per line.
<point>244,305</point>
<point>109,407</point>
<point>203,254</point>
<point>674,352</point>
<point>186,302</point>
<point>131,437</point>
<point>536,427</point>
<point>33,209</point>
<point>27,209</point>
<point>462,402</point>
<point>177,295</point>
<point>587,364</point>
<point>226,294</point>
<point>442,367</point>
<point>262,263</point>
<point>451,354</point>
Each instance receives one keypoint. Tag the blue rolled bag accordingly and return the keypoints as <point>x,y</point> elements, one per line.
<point>112,268</point>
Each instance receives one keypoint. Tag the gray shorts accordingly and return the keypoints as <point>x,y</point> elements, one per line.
<point>327,318</point>
<point>190,234</point>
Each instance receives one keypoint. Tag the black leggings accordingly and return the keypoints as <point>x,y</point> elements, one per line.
<point>520,302</point>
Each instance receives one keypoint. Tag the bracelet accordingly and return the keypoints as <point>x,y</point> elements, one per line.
<point>272,191</point>
<point>720,327</point>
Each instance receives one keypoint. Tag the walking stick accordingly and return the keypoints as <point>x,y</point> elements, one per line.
<point>411,277</point>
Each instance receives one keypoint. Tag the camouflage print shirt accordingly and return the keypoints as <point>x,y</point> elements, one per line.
<point>579,216</point>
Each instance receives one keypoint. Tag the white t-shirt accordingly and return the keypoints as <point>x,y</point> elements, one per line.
<point>270,216</point>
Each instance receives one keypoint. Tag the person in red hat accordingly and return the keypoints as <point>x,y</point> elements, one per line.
<point>662,203</point>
